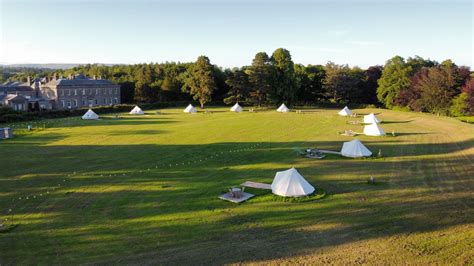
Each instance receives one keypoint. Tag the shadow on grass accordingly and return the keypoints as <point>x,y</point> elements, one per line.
<point>396,122</point>
<point>172,214</point>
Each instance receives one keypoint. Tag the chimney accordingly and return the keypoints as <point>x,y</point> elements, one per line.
<point>95,77</point>
<point>28,80</point>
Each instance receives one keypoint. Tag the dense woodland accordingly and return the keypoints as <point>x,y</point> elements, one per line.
<point>414,83</point>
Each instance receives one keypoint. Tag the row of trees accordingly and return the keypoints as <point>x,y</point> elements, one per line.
<point>268,80</point>
<point>424,85</point>
<point>415,83</point>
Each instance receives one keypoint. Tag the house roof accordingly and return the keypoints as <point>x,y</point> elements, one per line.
<point>7,89</point>
<point>12,97</point>
<point>14,84</point>
<point>81,82</point>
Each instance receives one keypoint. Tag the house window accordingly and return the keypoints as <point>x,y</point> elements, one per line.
<point>62,93</point>
<point>69,92</point>
<point>115,100</point>
<point>75,103</point>
<point>96,102</point>
<point>105,100</point>
<point>75,92</point>
<point>83,102</point>
<point>69,104</point>
<point>96,91</point>
<point>83,92</point>
<point>90,103</point>
<point>63,103</point>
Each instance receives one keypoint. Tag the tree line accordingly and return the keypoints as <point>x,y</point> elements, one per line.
<point>416,83</point>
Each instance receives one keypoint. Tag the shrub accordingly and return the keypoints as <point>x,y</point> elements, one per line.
<point>459,106</point>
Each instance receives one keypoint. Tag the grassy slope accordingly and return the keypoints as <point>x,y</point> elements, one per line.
<point>421,212</point>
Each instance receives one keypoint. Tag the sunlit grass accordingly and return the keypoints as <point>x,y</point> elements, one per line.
<point>143,189</point>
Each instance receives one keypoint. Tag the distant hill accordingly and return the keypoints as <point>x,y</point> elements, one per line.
<point>50,65</point>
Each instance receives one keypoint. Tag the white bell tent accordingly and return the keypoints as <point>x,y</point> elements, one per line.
<point>283,109</point>
<point>371,119</point>
<point>345,112</point>
<point>290,183</point>
<point>190,109</point>
<point>90,115</point>
<point>236,108</point>
<point>137,111</point>
<point>373,130</point>
<point>354,149</point>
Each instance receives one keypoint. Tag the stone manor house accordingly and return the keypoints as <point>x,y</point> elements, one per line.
<point>76,91</point>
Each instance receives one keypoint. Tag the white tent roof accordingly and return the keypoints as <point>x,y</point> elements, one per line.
<point>90,115</point>
<point>236,108</point>
<point>354,148</point>
<point>371,119</point>
<point>373,130</point>
<point>190,109</point>
<point>290,183</point>
<point>345,111</point>
<point>283,109</point>
<point>137,111</point>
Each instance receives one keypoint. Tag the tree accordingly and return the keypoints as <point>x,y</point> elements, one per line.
<point>463,104</point>
<point>284,85</point>
<point>239,85</point>
<point>145,89</point>
<point>310,81</point>
<point>395,78</point>
<point>417,63</point>
<point>410,97</point>
<point>459,105</point>
<point>469,90</point>
<point>372,75</point>
<point>436,90</point>
<point>342,83</point>
<point>260,75</point>
<point>200,81</point>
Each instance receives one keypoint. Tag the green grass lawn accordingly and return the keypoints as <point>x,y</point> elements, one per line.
<point>467,119</point>
<point>143,190</point>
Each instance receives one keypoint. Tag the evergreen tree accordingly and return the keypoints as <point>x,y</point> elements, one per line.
<point>200,81</point>
<point>260,74</point>
<point>239,85</point>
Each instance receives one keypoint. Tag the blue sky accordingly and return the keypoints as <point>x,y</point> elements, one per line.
<point>230,32</point>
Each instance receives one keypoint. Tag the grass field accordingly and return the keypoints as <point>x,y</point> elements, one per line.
<point>143,190</point>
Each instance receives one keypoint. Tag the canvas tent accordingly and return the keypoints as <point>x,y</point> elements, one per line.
<point>190,109</point>
<point>373,130</point>
<point>354,149</point>
<point>371,119</point>
<point>283,109</point>
<point>90,115</point>
<point>345,112</point>
<point>290,183</point>
<point>137,111</point>
<point>236,108</point>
